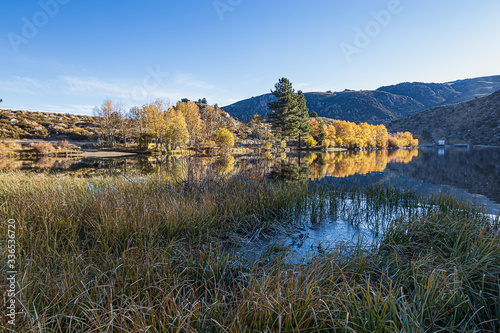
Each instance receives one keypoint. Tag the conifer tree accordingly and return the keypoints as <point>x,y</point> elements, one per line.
<point>289,114</point>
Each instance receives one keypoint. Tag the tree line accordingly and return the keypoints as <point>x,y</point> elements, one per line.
<point>290,119</point>
<point>197,125</point>
<point>166,127</point>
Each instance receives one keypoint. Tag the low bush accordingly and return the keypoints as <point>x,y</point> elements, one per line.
<point>64,144</point>
<point>43,148</point>
<point>310,142</point>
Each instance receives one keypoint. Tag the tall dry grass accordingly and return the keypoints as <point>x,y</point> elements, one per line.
<point>145,255</point>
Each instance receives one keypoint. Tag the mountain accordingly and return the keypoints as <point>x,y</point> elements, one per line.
<point>436,94</point>
<point>379,106</point>
<point>476,121</point>
<point>366,106</point>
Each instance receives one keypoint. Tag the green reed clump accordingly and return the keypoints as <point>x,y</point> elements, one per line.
<point>110,254</point>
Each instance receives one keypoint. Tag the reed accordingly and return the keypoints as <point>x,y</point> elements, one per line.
<point>123,255</point>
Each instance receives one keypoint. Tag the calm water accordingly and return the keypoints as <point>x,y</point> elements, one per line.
<point>470,174</point>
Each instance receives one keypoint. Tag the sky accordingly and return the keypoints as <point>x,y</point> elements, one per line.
<point>69,56</point>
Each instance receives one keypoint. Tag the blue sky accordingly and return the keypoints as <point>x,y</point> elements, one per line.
<point>70,55</point>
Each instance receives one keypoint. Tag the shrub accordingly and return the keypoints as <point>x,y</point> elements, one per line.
<point>64,144</point>
<point>283,144</point>
<point>326,143</point>
<point>13,145</point>
<point>43,148</point>
<point>224,138</point>
<point>310,142</point>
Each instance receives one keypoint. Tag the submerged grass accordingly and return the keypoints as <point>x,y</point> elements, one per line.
<point>114,255</point>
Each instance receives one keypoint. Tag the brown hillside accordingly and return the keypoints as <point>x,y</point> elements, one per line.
<point>476,121</point>
<point>42,125</point>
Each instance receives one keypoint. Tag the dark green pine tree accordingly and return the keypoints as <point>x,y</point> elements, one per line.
<point>321,135</point>
<point>282,109</point>
<point>289,115</point>
<point>303,116</point>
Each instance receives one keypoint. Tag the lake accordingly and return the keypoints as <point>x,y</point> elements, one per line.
<point>470,174</point>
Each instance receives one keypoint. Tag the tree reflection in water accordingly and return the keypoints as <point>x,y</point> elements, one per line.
<point>295,167</point>
<point>316,166</point>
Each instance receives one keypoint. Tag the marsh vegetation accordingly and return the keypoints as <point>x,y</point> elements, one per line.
<point>162,255</point>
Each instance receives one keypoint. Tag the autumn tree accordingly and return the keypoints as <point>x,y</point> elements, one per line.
<point>357,135</point>
<point>318,129</point>
<point>137,118</point>
<point>402,139</point>
<point>212,119</point>
<point>381,136</point>
<point>109,117</point>
<point>194,124</point>
<point>174,130</point>
<point>153,114</point>
<point>224,139</point>
<point>344,131</point>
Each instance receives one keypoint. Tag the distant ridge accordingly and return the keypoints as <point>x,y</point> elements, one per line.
<point>379,106</point>
<point>436,94</point>
<point>476,121</point>
<point>367,106</point>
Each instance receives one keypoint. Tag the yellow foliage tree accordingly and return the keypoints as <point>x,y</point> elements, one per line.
<point>194,124</point>
<point>400,139</point>
<point>155,124</point>
<point>175,132</point>
<point>211,123</point>
<point>331,133</point>
<point>310,142</point>
<point>224,139</point>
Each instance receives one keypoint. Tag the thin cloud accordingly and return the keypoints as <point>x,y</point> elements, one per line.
<point>188,80</point>
<point>24,85</point>
<point>65,88</point>
<point>93,87</point>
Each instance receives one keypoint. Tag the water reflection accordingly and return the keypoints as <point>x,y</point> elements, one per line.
<point>474,171</point>
<point>37,164</point>
<point>310,166</point>
<point>351,163</point>
<point>315,166</point>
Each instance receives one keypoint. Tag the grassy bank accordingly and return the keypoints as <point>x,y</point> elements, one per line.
<point>117,255</point>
